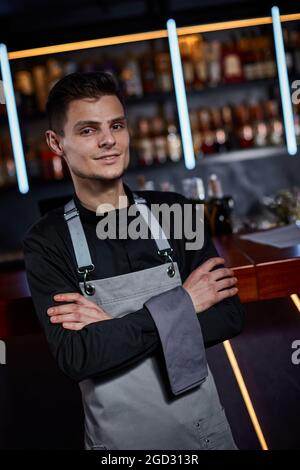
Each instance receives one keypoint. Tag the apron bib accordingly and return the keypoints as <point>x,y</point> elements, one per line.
<point>134,408</point>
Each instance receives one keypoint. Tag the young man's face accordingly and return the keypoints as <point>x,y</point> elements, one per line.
<point>96,139</point>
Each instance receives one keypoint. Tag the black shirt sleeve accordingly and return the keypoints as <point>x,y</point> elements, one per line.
<point>98,348</point>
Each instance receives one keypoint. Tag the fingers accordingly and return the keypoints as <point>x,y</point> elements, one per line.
<point>73,326</point>
<point>226,283</point>
<point>224,294</point>
<point>72,297</point>
<point>210,264</point>
<point>71,312</point>
<point>220,273</point>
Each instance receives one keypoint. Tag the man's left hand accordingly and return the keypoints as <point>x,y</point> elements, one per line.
<point>77,313</point>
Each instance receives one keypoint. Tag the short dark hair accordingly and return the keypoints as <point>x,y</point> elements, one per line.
<point>76,86</point>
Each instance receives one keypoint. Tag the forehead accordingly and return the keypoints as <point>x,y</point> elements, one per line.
<point>97,109</point>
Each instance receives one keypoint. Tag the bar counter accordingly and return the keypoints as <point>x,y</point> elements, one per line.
<point>263,272</point>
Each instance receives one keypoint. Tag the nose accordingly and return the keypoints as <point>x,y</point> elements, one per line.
<point>107,138</point>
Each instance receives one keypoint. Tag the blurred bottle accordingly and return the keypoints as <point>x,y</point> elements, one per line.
<point>220,135</point>
<point>163,67</point>
<point>33,162</point>
<point>193,188</point>
<point>51,164</point>
<point>208,137</point>
<point>55,71</point>
<point>160,141</point>
<point>148,73</point>
<point>196,134</point>
<point>232,62</point>
<point>219,208</point>
<point>40,81</point>
<point>289,56</point>
<point>174,142</point>
<point>144,142</point>
<point>185,45</point>
<point>9,163</point>
<point>295,44</point>
<point>275,128</point>
<point>200,63</point>
<point>260,130</point>
<point>244,128</point>
<point>131,77</point>
<point>214,69</point>
<point>25,93</point>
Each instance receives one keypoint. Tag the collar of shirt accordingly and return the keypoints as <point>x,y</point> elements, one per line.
<point>89,216</point>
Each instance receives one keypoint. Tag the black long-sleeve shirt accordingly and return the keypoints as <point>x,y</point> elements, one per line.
<point>106,346</point>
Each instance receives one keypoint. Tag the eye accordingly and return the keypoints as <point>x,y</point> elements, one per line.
<point>86,131</point>
<point>118,125</point>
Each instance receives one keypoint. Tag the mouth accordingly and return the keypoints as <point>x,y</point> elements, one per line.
<point>110,158</point>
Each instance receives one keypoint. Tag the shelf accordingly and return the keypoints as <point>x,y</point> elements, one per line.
<point>241,155</point>
<point>161,97</point>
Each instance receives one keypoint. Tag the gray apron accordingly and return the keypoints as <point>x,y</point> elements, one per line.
<point>134,408</point>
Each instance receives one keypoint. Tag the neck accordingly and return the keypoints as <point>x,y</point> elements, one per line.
<point>95,192</point>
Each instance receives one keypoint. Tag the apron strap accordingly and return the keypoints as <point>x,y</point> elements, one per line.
<point>81,249</point>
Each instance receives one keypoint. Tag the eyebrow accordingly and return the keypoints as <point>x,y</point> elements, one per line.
<point>96,123</point>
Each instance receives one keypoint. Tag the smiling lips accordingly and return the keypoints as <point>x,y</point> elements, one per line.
<point>109,158</point>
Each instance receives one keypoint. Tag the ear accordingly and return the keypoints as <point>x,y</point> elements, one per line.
<point>54,142</point>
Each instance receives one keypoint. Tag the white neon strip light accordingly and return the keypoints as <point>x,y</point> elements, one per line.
<point>183,113</point>
<point>13,121</point>
<point>284,84</point>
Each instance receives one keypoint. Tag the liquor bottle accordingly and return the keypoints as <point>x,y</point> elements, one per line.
<point>174,142</point>
<point>163,67</point>
<point>208,138</point>
<point>275,128</point>
<point>219,208</point>
<point>214,69</point>
<point>258,55</point>
<point>220,135</point>
<point>269,65</point>
<point>244,129</point>
<point>248,58</point>
<point>200,63</point>
<point>39,75</point>
<point>148,73</point>
<point>289,57</point>
<point>3,178</point>
<point>187,62</point>
<point>55,71</point>
<point>260,130</point>
<point>196,134</point>
<point>25,90</point>
<point>9,163</point>
<point>144,142</point>
<point>159,138</point>
<point>51,164</point>
<point>33,162</point>
<point>131,77</point>
<point>231,62</point>
<point>295,44</point>
<point>227,119</point>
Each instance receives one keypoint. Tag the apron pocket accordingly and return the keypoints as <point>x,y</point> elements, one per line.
<point>214,432</point>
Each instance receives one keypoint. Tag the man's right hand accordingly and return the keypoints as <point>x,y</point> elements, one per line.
<point>205,286</point>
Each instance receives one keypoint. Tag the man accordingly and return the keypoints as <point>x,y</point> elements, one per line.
<point>129,319</point>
